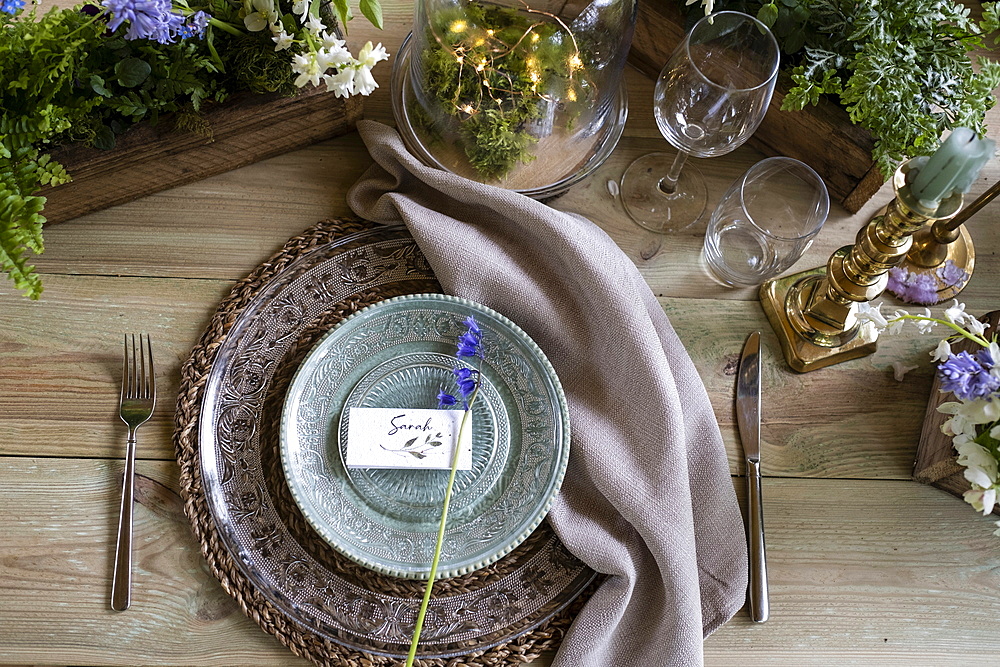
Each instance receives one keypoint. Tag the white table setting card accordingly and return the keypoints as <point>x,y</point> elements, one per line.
<point>405,438</point>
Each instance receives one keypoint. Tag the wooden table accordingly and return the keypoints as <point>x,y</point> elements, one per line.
<point>866,565</point>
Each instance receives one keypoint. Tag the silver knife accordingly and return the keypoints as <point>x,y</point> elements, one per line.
<point>748,419</point>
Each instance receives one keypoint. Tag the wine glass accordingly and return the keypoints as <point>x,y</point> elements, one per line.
<point>710,97</point>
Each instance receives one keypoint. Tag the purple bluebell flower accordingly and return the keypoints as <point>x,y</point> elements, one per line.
<point>147,19</point>
<point>919,288</point>
<point>11,6</point>
<point>446,400</point>
<point>469,342</point>
<point>965,376</point>
<point>951,274</point>
<point>194,26</point>
<point>467,380</point>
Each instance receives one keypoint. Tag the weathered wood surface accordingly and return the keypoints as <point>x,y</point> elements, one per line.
<point>867,567</point>
<point>848,579</point>
<point>821,135</point>
<point>152,158</point>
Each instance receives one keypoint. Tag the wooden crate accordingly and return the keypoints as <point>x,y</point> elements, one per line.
<point>936,458</point>
<point>821,136</point>
<point>148,159</point>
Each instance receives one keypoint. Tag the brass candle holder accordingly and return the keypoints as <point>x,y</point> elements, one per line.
<point>947,240</point>
<point>813,312</point>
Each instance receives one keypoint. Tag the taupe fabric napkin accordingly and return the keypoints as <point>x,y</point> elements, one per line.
<point>648,497</point>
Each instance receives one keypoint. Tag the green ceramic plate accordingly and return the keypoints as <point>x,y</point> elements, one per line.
<point>399,354</point>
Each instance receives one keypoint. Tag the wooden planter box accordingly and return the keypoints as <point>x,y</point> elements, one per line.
<point>149,159</point>
<point>821,136</point>
<point>936,458</point>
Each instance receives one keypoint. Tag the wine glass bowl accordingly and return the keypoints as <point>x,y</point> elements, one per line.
<point>710,97</point>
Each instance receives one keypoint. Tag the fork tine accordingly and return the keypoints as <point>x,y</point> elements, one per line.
<point>133,370</point>
<point>143,388</point>
<point>125,370</point>
<point>151,379</point>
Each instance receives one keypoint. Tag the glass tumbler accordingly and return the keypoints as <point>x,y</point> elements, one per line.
<point>765,221</point>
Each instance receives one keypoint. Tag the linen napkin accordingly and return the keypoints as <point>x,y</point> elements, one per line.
<point>648,498</point>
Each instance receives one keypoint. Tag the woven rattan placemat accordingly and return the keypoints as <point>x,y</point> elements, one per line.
<point>301,640</point>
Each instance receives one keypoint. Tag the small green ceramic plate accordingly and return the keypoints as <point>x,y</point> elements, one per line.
<point>399,354</point>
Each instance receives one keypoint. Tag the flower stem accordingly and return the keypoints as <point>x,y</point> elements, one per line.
<point>440,536</point>
<point>967,334</point>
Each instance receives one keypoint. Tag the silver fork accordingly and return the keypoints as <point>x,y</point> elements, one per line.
<point>136,406</point>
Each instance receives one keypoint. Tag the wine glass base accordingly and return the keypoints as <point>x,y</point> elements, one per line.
<point>655,210</point>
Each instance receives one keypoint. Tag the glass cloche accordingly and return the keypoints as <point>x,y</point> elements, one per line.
<point>527,95</point>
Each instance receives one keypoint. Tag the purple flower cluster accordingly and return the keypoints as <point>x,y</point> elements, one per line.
<point>469,345</point>
<point>153,19</point>
<point>951,274</point>
<point>919,288</point>
<point>11,6</point>
<point>968,376</point>
<point>194,26</point>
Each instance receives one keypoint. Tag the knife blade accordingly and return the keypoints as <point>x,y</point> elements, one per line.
<point>748,420</point>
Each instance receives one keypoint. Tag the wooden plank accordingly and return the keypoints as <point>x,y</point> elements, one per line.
<point>58,518</point>
<point>890,572</point>
<point>148,159</point>
<point>66,405</point>
<point>60,372</point>
<point>822,135</point>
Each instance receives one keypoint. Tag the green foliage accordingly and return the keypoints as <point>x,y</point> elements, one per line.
<point>488,68</point>
<point>64,80</point>
<point>901,69</point>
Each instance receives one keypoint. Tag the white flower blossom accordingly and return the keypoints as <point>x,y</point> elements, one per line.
<point>341,84</point>
<point>955,313</point>
<point>262,16</point>
<point>709,5</point>
<point>973,455</point>
<point>925,326</point>
<point>899,370</point>
<point>975,326</point>
<point>333,57</point>
<point>369,56</point>
<point>300,8</point>
<point>331,41</point>
<point>364,82</point>
<point>866,313</point>
<point>306,66</point>
<point>315,25</point>
<point>981,499</point>
<point>282,40</point>
<point>942,351</point>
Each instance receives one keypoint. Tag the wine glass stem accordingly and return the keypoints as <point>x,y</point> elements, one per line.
<point>668,184</point>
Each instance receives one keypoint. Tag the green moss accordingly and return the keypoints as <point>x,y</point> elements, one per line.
<point>494,70</point>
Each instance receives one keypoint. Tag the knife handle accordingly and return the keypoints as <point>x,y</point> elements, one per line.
<point>758,564</point>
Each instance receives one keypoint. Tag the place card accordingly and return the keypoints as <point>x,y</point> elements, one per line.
<point>406,438</point>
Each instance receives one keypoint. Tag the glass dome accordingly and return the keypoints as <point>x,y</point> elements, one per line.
<point>525,95</point>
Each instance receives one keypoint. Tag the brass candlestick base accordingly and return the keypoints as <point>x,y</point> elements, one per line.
<point>780,299</point>
<point>814,312</point>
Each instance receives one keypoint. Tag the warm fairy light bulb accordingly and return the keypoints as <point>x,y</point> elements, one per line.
<point>467,109</point>
<point>481,66</point>
<point>459,59</point>
<point>535,37</point>
<point>490,32</point>
<point>458,26</point>
<point>571,95</point>
<point>574,62</point>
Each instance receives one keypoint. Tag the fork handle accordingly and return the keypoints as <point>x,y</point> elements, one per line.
<point>121,583</point>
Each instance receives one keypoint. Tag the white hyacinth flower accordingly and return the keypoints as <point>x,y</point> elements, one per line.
<point>305,65</point>
<point>341,84</point>
<point>282,40</point>
<point>942,351</point>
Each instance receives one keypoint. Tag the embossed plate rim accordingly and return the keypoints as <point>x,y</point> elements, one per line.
<point>422,301</point>
<point>225,346</point>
